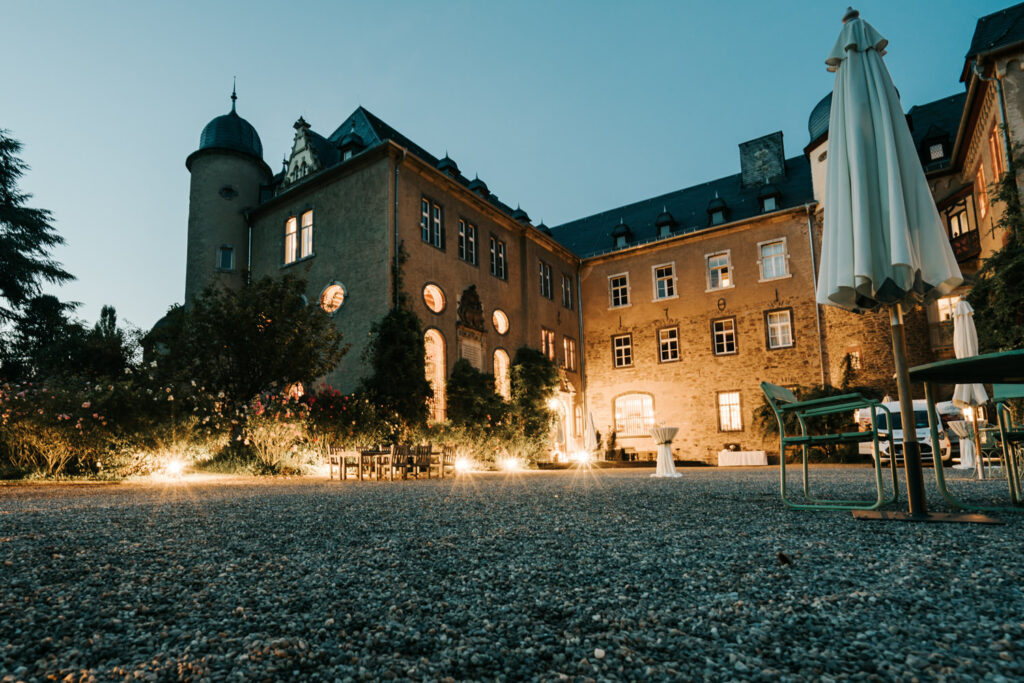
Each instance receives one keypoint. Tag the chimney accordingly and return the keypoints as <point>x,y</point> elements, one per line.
<point>762,160</point>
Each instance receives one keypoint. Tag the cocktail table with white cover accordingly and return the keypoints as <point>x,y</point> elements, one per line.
<point>727,458</point>
<point>663,437</point>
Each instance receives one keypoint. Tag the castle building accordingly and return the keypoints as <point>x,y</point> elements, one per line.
<point>668,310</point>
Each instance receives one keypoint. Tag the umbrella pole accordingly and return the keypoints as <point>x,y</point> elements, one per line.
<point>977,442</point>
<point>911,448</point>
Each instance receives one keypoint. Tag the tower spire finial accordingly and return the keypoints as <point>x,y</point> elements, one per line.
<point>234,96</point>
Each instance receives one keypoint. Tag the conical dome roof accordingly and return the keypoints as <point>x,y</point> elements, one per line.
<point>232,132</point>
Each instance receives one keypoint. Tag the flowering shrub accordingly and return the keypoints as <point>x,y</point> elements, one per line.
<point>349,420</point>
<point>274,430</point>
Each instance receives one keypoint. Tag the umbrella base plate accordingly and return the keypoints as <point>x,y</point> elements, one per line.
<point>951,517</point>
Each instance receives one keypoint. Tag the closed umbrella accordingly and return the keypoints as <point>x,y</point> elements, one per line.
<point>965,344</point>
<point>590,436</point>
<point>883,242</point>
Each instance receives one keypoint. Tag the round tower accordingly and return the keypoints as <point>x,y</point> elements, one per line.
<point>227,171</point>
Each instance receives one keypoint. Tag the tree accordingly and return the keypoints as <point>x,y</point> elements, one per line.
<point>46,342</point>
<point>246,342</point>
<point>107,348</point>
<point>997,290</point>
<point>26,237</point>
<point>534,382</point>
<point>471,398</point>
<point>396,354</point>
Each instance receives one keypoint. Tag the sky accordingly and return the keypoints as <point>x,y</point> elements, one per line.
<point>566,108</point>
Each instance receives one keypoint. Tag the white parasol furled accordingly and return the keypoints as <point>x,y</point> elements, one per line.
<point>965,344</point>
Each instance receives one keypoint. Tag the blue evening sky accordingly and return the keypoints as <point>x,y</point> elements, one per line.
<point>567,108</point>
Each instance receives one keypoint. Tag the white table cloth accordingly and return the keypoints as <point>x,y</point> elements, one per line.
<point>742,458</point>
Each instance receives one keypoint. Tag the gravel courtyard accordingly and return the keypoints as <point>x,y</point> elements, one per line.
<point>603,575</point>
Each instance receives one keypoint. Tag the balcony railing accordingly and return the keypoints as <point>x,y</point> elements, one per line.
<point>966,245</point>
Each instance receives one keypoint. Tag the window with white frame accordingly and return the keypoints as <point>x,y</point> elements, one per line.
<point>544,270</point>
<point>226,257</point>
<point>618,290</point>
<point>569,350</point>
<point>936,151</point>
<point>547,343</point>
<point>634,414</point>
<point>431,223</point>
<point>664,281</point>
<point>779,328</point>
<point>467,242</point>
<point>723,336</point>
<point>498,268</point>
<point>946,306</point>
<point>567,291</point>
<point>773,259</point>
<point>719,270</point>
<point>668,344</point>
<point>291,240</point>
<point>729,418</point>
<point>306,241</point>
<point>622,350</point>
<point>768,204</point>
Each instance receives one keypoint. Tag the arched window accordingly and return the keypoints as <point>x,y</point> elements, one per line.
<point>634,414</point>
<point>433,297</point>
<point>435,367</point>
<point>500,321</point>
<point>332,297</point>
<point>502,381</point>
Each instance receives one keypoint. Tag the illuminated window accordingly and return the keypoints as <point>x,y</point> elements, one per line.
<point>433,342</point>
<point>723,336</point>
<point>502,382</point>
<point>577,413</point>
<point>664,281</point>
<point>719,270</point>
<point>569,350</point>
<point>618,290</point>
<point>433,297</point>
<point>634,414</point>
<point>779,328</point>
<point>668,344</point>
<point>332,297</point>
<point>500,321</point>
<point>467,242</point>
<point>498,268</point>
<point>307,235</point>
<point>981,190</point>
<point>773,259</point>
<point>729,419</point>
<point>547,343</point>
<point>567,291</point>
<point>936,152</point>
<point>226,257</point>
<point>431,223</point>
<point>946,307</point>
<point>622,350</point>
<point>995,149</point>
<point>291,240</point>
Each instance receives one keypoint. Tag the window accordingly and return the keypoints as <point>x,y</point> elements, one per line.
<point>433,297</point>
<point>577,413</point>
<point>622,350</point>
<point>956,219</point>
<point>435,368</point>
<point>668,344</point>
<point>634,414</point>
<point>472,351</point>
<point>618,290</point>
<point>768,204</point>
<point>567,291</point>
<point>569,350</point>
<point>729,412</point>
<point>431,224</point>
<point>467,242</point>
<point>717,217</point>
<point>307,235</point>
<point>995,149</point>
<point>719,271</point>
<point>779,328</point>
<point>946,306</point>
<point>773,259</point>
<point>664,281</point>
<point>226,257</point>
<point>291,240</point>
<point>547,343</point>
<point>853,353</point>
<point>502,382</point>
<point>498,259</point>
<point>500,321</point>
<point>936,152</point>
<point>723,336</point>
<point>332,297</point>
<point>981,190</point>
<point>545,280</point>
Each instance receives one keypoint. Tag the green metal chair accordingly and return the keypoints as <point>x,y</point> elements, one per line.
<point>1011,437</point>
<point>783,402</point>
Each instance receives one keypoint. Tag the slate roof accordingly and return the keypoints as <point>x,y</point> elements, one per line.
<point>593,235</point>
<point>231,131</point>
<point>997,30</point>
<point>374,132</point>
<point>936,122</point>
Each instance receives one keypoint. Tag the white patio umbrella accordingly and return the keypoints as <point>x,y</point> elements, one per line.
<point>965,344</point>
<point>883,242</point>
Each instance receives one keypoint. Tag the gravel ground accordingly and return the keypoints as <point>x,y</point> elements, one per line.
<point>562,575</point>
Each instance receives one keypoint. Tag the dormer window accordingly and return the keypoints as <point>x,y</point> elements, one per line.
<point>621,234</point>
<point>768,204</point>
<point>769,198</point>
<point>347,155</point>
<point>717,217</point>
<point>936,151</point>
<point>716,211</point>
<point>665,222</point>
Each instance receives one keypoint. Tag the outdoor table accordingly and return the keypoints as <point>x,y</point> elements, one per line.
<point>1006,367</point>
<point>727,458</point>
